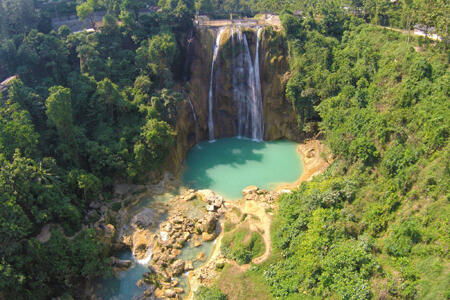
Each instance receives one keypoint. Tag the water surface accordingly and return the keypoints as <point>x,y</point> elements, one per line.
<point>123,287</point>
<point>228,165</point>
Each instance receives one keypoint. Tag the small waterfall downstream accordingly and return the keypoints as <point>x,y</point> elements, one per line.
<point>211,79</point>
<point>247,87</point>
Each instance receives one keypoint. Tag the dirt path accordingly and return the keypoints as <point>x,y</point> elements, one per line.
<point>312,153</point>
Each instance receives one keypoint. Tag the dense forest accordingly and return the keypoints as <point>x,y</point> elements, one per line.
<point>375,225</point>
<point>88,110</point>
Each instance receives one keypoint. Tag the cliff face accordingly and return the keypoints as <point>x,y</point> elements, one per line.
<point>280,120</point>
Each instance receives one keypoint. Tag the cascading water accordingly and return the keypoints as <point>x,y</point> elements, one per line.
<point>195,117</point>
<point>211,79</point>
<point>258,125</point>
<point>187,62</point>
<point>247,87</point>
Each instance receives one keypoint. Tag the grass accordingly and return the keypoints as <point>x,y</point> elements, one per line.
<point>228,226</point>
<point>239,285</point>
<point>236,211</point>
<point>242,245</point>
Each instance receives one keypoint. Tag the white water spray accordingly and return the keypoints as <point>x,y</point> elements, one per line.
<point>247,87</point>
<point>211,79</point>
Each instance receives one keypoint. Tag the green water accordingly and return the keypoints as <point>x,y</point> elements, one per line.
<point>123,287</point>
<point>228,165</point>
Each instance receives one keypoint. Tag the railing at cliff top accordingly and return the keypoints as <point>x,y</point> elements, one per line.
<point>238,22</point>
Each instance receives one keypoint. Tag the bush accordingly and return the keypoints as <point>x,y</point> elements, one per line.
<point>116,206</point>
<point>210,293</point>
<point>242,245</point>
<point>403,237</point>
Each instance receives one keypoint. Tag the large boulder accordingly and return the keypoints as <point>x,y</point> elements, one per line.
<point>211,198</point>
<point>209,224</point>
<point>120,263</point>
<point>250,190</point>
<point>143,219</point>
<point>170,293</point>
<point>177,267</point>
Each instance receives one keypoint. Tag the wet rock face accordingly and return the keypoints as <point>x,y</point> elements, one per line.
<point>143,219</point>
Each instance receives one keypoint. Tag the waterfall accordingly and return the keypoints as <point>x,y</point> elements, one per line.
<point>247,87</point>
<point>210,94</point>
<point>187,61</point>
<point>258,124</point>
<point>195,117</point>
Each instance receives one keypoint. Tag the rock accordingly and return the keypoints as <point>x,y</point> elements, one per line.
<point>250,196</point>
<point>120,263</point>
<point>174,282</point>
<point>149,291</point>
<point>208,236</point>
<point>177,219</point>
<point>188,266</point>
<point>185,235</point>
<point>164,236</point>
<point>143,219</point>
<point>190,197</point>
<point>201,256</point>
<point>95,205</point>
<point>197,243</point>
<point>141,241</point>
<point>159,293</point>
<point>140,283</point>
<point>207,195</point>
<point>210,207</point>
<point>310,153</point>
<point>170,293</point>
<point>209,224</point>
<point>218,202</point>
<point>110,230</point>
<point>177,246</point>
<point>177,267</point>
<point>220,265</point>
<point>179,290</point>
<point>250,190</point>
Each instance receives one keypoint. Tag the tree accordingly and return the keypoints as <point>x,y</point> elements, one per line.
<point>17,16</point>
<point>108,95</point>
<point>157,137</point>
<point>16,132</point>
<point>59,111</point>
<point>86,11</point>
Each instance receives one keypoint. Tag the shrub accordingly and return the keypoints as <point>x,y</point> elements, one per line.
<point>210,293</point>
<point>403,237</point>
<point>242,245</point>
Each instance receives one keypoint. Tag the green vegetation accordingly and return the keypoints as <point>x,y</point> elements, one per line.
<point>209,293</point>
<point>237,284</point>
<point>87,110</point>
<point>242,245</point>
<point>372,225</point>
<point>91,109</point>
